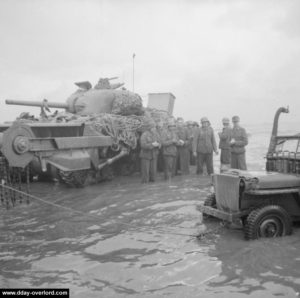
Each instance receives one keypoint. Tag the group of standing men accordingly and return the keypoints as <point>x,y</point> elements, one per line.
<point>172,142</point>
<point>232,144</point>
<point>179,142</point>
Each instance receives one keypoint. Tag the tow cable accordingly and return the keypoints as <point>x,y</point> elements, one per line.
<point>7,192</point>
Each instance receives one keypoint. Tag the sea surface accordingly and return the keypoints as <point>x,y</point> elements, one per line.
<point>126,239</point>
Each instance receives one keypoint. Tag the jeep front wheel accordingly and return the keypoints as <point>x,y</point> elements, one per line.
<point>210,201</point>
<point>268,221</point>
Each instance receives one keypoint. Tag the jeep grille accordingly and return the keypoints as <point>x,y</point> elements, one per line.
<point>227,192</point>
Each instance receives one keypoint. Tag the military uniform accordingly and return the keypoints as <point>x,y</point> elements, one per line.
<point>183,152</point>
<point>191,132</point>
<point>148,156</point>
<point>160,158</point>
<point>224,145</point>
<point>169,141</point>
<point>238,156</point>
<point>204,144</point>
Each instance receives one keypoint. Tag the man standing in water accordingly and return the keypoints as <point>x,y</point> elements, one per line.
<point>204,144</point>
<point>238,142</point>
<point>149,152</point>
<point>224,145</point>
<point>190,130</point>
<point>170,141</point>
<point>183,154</point>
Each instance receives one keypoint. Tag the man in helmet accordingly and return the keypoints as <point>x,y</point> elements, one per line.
<point>190,130</point>
<point>224,144</point>
<point>150,145</point>
<point>204,144</point>
<point>183,153</point>
<point>170,140</point>
<point>238,142</point>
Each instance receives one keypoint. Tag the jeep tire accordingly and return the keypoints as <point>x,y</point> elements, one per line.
<point>211,202</point>
<point>268,221</point>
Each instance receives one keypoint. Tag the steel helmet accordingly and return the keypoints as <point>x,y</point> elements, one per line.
<point>171,122</point>
<point>225,120</point>
<point>235,119</point>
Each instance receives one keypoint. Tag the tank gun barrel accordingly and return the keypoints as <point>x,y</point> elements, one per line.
<point>31,103</point>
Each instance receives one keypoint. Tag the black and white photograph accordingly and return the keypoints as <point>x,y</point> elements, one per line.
<point>150,148</point>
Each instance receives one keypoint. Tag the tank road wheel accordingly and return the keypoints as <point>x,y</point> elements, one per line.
<point>268,221</point>
<point>73,178</point>
<point>211,202</point>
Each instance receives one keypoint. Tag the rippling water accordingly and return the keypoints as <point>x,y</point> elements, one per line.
<point>139,240</point>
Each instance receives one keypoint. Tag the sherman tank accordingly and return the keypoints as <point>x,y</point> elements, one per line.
<point>99,126</point>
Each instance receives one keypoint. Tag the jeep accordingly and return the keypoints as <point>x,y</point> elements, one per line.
<point>267,202</point>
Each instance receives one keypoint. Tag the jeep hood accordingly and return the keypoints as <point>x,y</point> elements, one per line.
<point>267,180</point>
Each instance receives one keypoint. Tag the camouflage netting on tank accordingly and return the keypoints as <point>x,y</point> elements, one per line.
<point>122,129</point>
<point>125,130</point>
<point>126,104</point>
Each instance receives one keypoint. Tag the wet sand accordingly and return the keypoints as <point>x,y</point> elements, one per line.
<point>137,240</point>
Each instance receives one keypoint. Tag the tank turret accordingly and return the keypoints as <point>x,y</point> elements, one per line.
<point>102,98</point>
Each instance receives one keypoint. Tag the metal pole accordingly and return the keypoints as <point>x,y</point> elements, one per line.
<point>133,56</point>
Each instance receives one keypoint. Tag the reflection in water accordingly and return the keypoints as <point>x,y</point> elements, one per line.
<point>132,239</point>
<point>138,240</point>
<point>266,267</point>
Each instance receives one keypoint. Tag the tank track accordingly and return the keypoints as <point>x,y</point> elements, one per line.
<point>73,178</point>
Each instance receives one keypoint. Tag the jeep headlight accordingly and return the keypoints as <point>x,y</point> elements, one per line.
<point>251,184</point>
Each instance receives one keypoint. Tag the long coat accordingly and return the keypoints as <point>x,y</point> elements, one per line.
<point>148,151</point>
<point>225,137</point>
<point>183,135</point>
<point>241,140</point>
<point>204,140</point>
<point>167,138</point>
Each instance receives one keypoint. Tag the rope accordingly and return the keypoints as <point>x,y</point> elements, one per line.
<point>161,229</point>
<point>123,129</point>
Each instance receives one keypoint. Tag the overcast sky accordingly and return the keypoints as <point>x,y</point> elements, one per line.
<point>219,58</point>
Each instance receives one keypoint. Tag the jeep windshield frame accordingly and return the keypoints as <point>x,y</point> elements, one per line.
<point>287,144</point>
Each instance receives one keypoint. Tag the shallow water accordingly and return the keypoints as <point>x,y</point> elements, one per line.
<point>127,239</point>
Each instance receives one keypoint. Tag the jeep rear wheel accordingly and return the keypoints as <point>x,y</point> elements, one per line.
<point>268,221</point>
